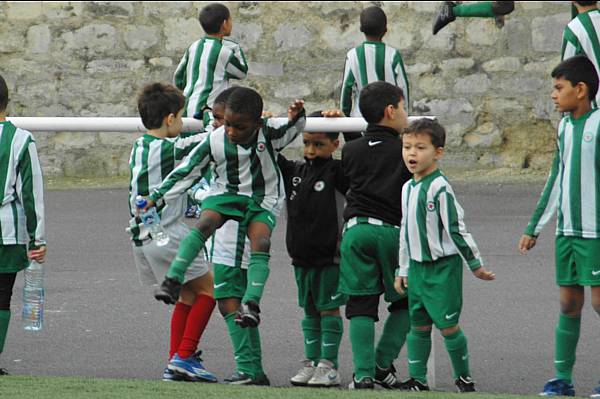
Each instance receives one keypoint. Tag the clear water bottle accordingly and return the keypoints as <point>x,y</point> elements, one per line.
<point>151,220</point>
<point>33,297</point>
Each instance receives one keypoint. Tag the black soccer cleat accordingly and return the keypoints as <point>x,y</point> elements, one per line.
<point>4,372</point>
<point>363,383</point>
<point>387,377</point>
<point>247,315</point>
<point>465,384</point>
<point>241,378</point>
<point>168,292</point>
<point>414,385</point>
<point>444,17</point>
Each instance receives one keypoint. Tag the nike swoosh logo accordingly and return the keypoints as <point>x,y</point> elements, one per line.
<point>334,297</point>
<point>180,259</point>
<point>374,143</point>
<point>324,344</point>
<point>312,341</point>
<point>254,284</point>
<point>465,357</point>
<point>219,285</point>
<point>559,361</point>
<point>595,272</point>
<point>413,361</point>
<point>449,316</point>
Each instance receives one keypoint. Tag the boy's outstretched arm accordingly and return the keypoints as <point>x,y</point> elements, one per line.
<point>280,134</point>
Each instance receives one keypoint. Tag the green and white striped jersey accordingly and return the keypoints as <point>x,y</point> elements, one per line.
<point>581,37</point>
<point>432,224</point>
<point>205,69</point>
<point>22,208</point>
<point>150,162</point>
<point>249,170</point>
<point>573,185</point>
<point>367,63</point>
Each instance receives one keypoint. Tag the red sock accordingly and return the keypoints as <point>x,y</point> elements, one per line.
<point>178,321</point>
<point>195,325</point>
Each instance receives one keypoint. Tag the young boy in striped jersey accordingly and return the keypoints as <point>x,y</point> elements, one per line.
<point>22,211</point>
<point>369,248</point>
<point>372,61</point>
<point>434,242</point>
<point>209,63</point>
<point>573,189</point>
<point>581,35</point>
<point>153,156</point>
<point>247,187</point>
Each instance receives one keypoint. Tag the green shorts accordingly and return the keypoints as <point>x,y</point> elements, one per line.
<point>13,258</point>
<point>230,282</point>
<point>318,288</point>
<point>435,292</point>
<point>369,258</point>
<point>239,207</point>
<point>577,261</point>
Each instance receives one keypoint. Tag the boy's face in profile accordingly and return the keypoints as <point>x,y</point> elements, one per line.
<point>174,124</point>
<point>240,128</point>
<point>419,154</point>
<point>565,96</point>
<point>318,145</point>
<point>218,112</point>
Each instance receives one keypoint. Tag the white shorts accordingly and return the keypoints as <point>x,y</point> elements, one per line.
<point>229,246</point>
<point>152,262</point>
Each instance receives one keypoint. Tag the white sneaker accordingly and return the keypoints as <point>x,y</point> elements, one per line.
<point>304,374</point>
<point>325,375</point>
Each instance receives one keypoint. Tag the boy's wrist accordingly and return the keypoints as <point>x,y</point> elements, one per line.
<point>474,264</point>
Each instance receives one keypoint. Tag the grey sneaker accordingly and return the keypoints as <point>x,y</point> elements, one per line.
<point>325,375</point>
<point>304,374</point>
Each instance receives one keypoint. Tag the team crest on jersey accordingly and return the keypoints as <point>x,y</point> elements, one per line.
<point>587,137</point>
<point>296,180</point>
<point>320,185</point>
<point>430,206</point>
<point>261,146</point>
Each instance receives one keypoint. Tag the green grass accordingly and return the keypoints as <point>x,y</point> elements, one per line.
<point>16,387</point>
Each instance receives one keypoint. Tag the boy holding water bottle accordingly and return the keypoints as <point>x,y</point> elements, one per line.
<point>153,156</point>
<point>22,217</point>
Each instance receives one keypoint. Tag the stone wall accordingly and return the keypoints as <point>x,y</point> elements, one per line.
<point>488,85</point>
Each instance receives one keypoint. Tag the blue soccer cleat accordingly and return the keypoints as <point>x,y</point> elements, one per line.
<point>170,375</point>
<point>558,387</point>
<point>596,393</point>
<point>192,367</point>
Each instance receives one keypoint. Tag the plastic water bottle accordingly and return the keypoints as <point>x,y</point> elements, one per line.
<point>151,220</point>
<point>33,297</point>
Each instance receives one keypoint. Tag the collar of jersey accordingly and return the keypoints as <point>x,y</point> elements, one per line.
<point>430,176</point>
<point>583,117</point>
<point>378,131</point>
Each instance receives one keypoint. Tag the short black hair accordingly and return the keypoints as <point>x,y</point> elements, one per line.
<point>330,135</point>
<point>3,94</point>
<point>245,101</point>
<point>428,126</point>
<point>158,100</point>
<point>375,97</point>
<point>373,21</point>
<point>578,69</point>
<point>212,17</point>
<point>224,95</point>
<point>586,3</point>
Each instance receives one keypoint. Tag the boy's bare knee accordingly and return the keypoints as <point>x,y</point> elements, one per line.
<point>228,305</point>
<point>450,330</point>
<point>330,312</point>
<point>570,308</point>
<point>422,328</point>
<point>262,245</point>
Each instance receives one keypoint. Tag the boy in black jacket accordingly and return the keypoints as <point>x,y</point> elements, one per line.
<point>370,244</point>
<point>315,191</point>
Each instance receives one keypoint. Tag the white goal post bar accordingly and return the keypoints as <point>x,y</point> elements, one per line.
<point>130,124</point>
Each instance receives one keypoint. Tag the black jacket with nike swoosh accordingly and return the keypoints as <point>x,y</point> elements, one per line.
<point>315,202</point>
<point>374,166</point>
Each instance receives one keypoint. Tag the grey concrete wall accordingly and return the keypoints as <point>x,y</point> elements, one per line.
<point>488,85</point>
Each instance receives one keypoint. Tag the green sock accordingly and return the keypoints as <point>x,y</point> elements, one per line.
<point>456,345</point>
<point>332,328</point>
<point>362,339</point>
<point>242,347</point>
<point>419,347</point>
<point>256,351</point>
<point>567,336</point>
<point>311,328</point>
<point>258,272</point>
<point>189,248</point>
<point>478,9</point>
<point>4,320</point>
<point>393,337</point>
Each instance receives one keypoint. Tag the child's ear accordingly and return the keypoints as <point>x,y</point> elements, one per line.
<point>439,151</point>
<point>336,143</point>
<point>582,90</point>
<point>169,119</point>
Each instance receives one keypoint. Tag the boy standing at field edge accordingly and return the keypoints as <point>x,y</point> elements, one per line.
<point>433,244</point>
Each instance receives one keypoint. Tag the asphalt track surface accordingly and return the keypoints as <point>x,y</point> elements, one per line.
<point>100,322</point>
